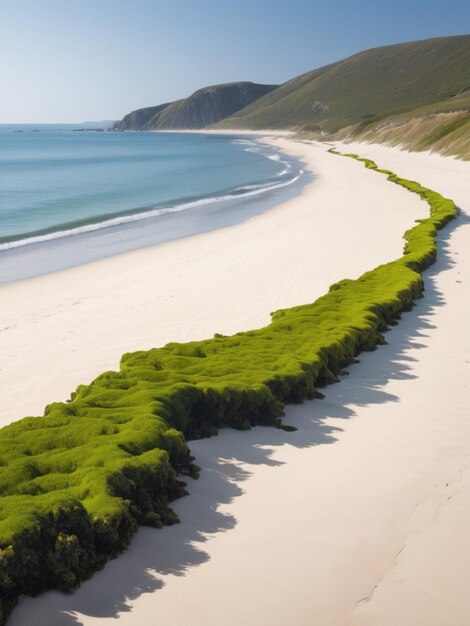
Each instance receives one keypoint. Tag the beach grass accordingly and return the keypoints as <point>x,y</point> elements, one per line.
<point>76,482</point>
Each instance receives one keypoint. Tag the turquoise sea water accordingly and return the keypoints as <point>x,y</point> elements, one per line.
<point>68,197</point>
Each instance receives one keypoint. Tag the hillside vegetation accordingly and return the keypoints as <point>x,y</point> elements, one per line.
<point>76,482</point>
<point>203,108</point>
<point>375,82</point>
<point>415,95</point>
<point>442,127</point>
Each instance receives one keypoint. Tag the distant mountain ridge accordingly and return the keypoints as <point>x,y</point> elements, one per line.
<point>203,108</point>
<point>414,94</point>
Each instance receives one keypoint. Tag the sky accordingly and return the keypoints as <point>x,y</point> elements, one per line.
<point>90,60</point>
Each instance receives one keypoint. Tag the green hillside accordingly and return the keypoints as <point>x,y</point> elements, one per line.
<point>413,94</point>
<point>376,82</point>
<point>204,107</point>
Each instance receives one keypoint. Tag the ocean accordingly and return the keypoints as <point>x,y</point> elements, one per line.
<point>69,196</point>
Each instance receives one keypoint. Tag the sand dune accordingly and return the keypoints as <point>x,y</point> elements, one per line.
<point>358,518</point>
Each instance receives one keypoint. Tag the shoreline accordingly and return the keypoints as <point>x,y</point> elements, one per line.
<point>240,508</point>
<point>69,245</point>
<point>147,288</point>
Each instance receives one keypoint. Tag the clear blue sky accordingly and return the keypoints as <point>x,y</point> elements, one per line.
<point>77,60</point>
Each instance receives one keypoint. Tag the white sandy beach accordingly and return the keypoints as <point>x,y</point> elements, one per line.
<point>65,328</point>
<point>360,517</point>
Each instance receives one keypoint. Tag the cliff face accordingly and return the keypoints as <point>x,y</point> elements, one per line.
<point>210,105</point>
<point>204,107</point>
<point>139,119</point>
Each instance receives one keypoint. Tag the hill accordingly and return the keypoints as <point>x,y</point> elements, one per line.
<point>413,94</point>
<point>139,119</point>
<point>377,82</point>
<point>203,108</point>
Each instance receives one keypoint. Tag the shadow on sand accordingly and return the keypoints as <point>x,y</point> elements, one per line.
<point>224,462</point>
